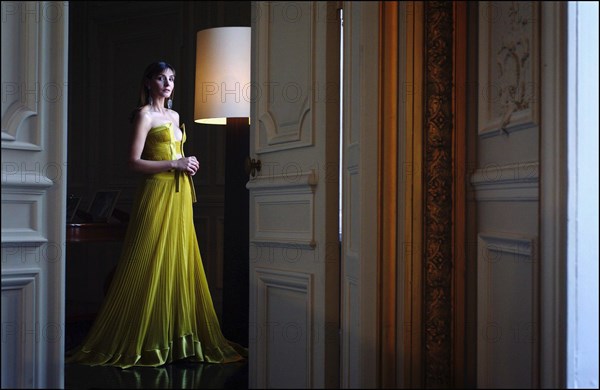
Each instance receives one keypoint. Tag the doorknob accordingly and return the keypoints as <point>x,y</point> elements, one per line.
<point>252,166</point>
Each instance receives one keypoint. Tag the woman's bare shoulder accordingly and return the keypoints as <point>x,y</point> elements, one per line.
<point>142,118</point>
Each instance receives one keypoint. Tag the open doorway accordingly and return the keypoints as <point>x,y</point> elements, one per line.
<point>108,49</point>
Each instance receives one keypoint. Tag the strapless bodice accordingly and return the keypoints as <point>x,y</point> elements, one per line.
<point>162,145</point>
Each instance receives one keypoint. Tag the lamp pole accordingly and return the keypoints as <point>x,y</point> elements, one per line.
<point>236,232</point>
<point>222,97</point>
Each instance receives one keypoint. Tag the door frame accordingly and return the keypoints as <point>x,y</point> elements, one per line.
<point>423,308</point>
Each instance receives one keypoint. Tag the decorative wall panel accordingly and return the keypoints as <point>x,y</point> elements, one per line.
<point>20,327</point>
<point>23,203</point>
<point>22,86</point>
<point>508,66</point>
<point>507,321</point>
<point>506,184</point>
<point>285,319</point>
<point>285,117</point>
<point>271,196</point>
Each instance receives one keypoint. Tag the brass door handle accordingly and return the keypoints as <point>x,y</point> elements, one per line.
<point>252,166</point>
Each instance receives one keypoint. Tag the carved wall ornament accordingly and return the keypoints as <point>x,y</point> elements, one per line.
<point>513,62</point>
<point>508,66</point>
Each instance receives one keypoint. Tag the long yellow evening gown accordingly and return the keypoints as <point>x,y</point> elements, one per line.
<point>158,308</point>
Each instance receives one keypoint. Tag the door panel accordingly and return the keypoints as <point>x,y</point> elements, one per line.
<point>294,266</point>
<point>34,128</point>
<point>506,186</point>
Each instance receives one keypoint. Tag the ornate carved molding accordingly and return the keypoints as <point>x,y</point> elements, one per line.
<point>438,195</point>
<point>508,63</point>
<point>513,63</point>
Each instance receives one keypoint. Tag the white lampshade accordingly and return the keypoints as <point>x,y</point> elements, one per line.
<point>222,74</point>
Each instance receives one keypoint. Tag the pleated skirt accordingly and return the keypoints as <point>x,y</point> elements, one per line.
<point>158,308</point>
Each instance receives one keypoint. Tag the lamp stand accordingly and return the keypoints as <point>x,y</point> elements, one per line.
<point>236,232</point>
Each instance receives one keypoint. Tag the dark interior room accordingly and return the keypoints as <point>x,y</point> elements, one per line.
<point>110,43</point>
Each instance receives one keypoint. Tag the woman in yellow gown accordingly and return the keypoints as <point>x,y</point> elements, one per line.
<point>158,308</point>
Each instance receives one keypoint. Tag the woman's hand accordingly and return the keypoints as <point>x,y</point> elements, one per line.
<point>188,164</point>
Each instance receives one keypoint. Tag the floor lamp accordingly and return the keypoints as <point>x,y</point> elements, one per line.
<point>223,98</point>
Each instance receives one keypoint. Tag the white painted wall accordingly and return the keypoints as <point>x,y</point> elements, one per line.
<point>582,348</point>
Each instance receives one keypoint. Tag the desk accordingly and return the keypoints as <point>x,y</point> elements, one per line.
<point>90,246</point>
<point>95,232</point>
<point>85,230</point>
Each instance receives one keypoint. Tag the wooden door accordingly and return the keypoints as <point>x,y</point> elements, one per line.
<point>34,173</point>
<point>294,260</point>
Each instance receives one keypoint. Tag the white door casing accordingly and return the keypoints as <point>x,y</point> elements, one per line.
<point>34,134</point>
<point>359,263</point>
<point>294,261</point>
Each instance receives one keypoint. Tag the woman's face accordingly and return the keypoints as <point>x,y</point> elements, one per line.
<point>162,84</point>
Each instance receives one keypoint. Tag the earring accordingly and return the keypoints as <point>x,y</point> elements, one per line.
<point>169,103</point>
<point>149,100</point>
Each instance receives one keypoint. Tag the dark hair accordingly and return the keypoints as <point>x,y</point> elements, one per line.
<point>151,70</point>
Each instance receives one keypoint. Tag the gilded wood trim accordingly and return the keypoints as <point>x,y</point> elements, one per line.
<point>413,193</point>
<point>459,105</point>
<point>438,195</point>
<point>432,329</point>
<point>388,196</point>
